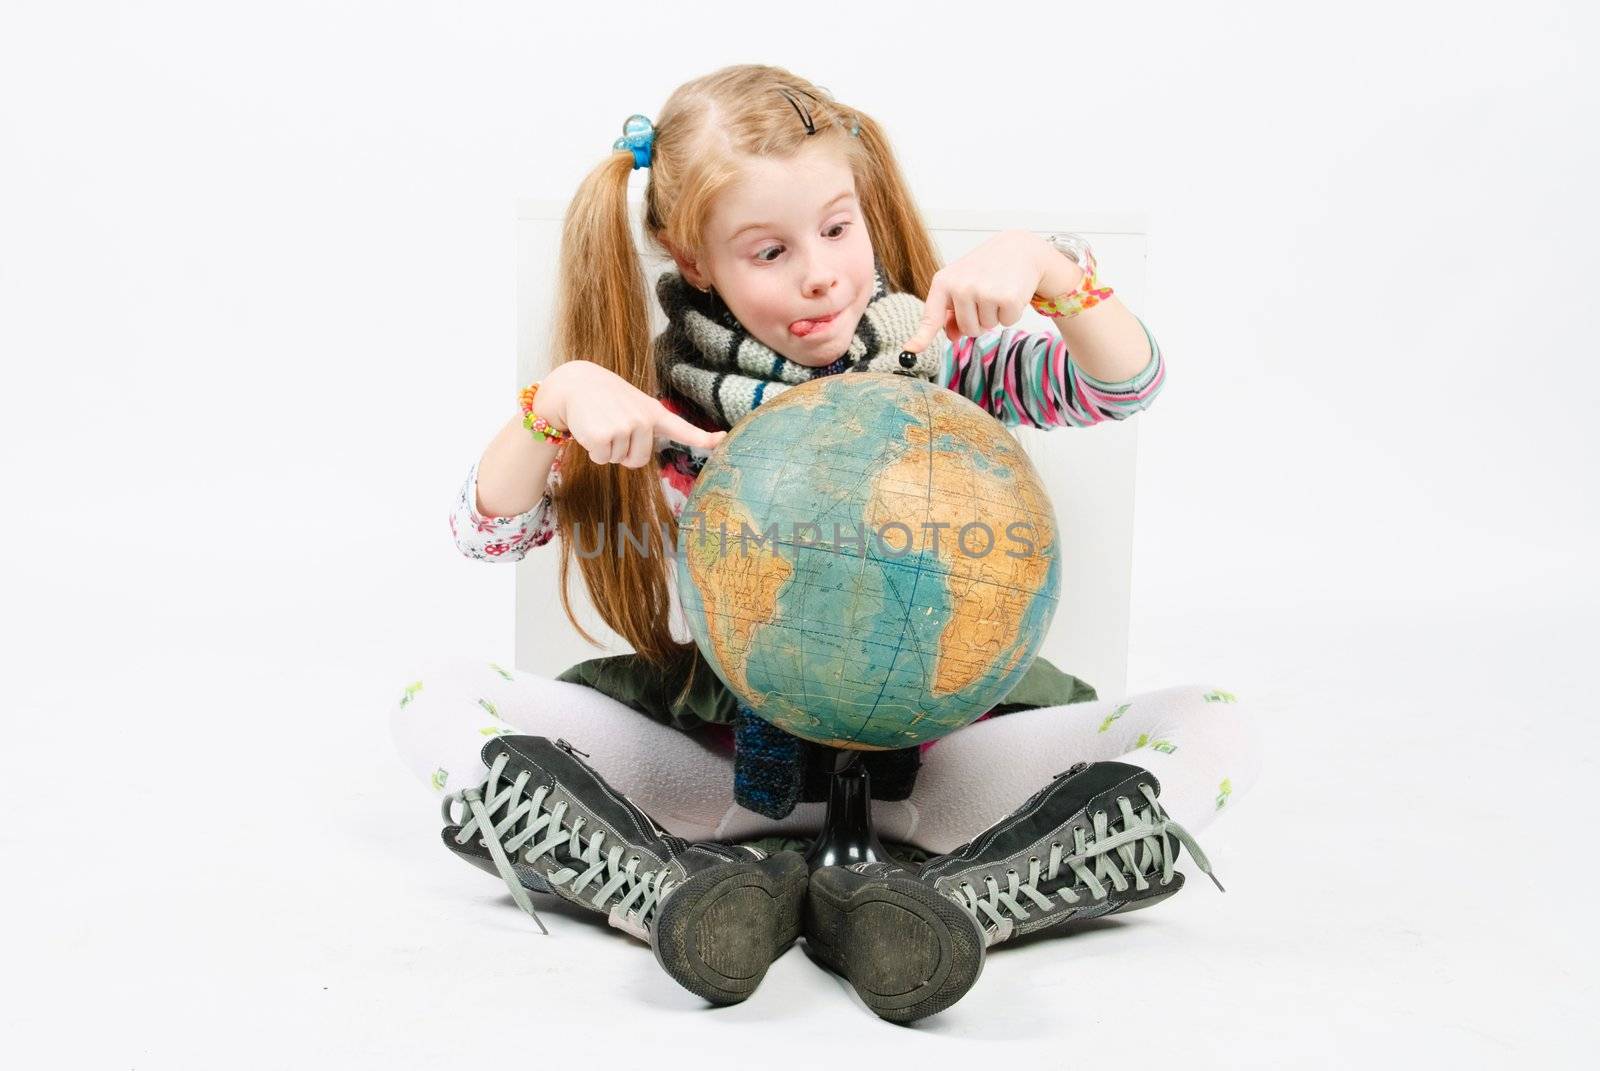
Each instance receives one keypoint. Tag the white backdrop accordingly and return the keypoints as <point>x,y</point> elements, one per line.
<point>257,310</point>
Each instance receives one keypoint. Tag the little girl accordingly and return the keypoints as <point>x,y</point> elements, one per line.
<point>798,253</point>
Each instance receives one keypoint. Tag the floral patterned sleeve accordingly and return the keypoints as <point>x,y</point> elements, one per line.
<point>500,539</point>
<point>1029,379</point>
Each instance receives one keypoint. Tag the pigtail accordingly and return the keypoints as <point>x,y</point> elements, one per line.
<point>900,237</point>
<point>602,315</point>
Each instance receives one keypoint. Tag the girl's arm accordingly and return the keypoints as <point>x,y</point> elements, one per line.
<point>490,520</point>
<point>1107,341</point>
<point>1101,364</point>
<point>513,470</point>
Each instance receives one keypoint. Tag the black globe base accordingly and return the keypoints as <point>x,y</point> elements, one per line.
<point>847,835</point>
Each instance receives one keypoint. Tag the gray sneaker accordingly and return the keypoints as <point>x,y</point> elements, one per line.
<point>715,915</point>
<point>1095,841</point>
<point>912,940</point>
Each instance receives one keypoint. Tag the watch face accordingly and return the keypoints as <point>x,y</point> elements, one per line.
<point>1075,248</point>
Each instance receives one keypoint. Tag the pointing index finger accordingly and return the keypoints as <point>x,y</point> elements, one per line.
<point>935,313</point>
<point>674,429</point>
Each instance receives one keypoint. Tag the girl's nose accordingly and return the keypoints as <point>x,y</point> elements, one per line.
<point>819,283</point>
<point>819,277</point>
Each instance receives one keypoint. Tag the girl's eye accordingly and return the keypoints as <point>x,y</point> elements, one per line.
<point>761,256</point>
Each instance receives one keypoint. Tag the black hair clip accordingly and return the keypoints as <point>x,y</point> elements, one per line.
<point>805,116</point>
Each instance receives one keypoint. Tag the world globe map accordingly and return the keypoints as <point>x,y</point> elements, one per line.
<point>869,561</point>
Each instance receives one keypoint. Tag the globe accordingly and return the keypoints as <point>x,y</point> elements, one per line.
<point>868,561</point>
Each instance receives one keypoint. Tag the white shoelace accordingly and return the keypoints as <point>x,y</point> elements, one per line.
<point>1098,858</point>
<point>524,818</point>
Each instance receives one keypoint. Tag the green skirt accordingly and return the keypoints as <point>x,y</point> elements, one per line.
<point>654,693</point>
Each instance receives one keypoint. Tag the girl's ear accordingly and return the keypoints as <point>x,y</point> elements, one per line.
<point>688,269</point>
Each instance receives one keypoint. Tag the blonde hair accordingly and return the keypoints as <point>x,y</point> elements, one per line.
<point>602,314</point>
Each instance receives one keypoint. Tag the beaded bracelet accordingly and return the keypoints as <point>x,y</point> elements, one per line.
<point>1086,296</point>
<point>538,424</point>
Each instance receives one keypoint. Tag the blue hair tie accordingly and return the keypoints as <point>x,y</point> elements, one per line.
<point>638,137</point>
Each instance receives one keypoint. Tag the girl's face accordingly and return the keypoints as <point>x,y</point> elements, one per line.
<point>787,246</point>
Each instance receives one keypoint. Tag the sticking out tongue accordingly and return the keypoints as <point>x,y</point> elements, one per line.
<point>805,327</point>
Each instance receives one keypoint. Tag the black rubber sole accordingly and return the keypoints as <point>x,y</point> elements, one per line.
<point>908,951</point>
<point>719,932</point>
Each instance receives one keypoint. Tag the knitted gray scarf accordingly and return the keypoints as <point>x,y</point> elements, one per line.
<point>708,357</point>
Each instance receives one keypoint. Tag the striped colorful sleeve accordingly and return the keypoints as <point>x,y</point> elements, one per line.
<point>1029,379</point>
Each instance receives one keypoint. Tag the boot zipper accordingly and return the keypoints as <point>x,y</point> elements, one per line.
<point>569,749</point>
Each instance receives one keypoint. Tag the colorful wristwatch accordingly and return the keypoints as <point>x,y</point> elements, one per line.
<point>1075,248</point>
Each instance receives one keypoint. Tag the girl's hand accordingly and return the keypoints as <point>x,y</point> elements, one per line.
<point>610,417</point>
<point>987,288</point>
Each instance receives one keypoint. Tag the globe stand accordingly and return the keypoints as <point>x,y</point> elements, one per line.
<point>847,835</point>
